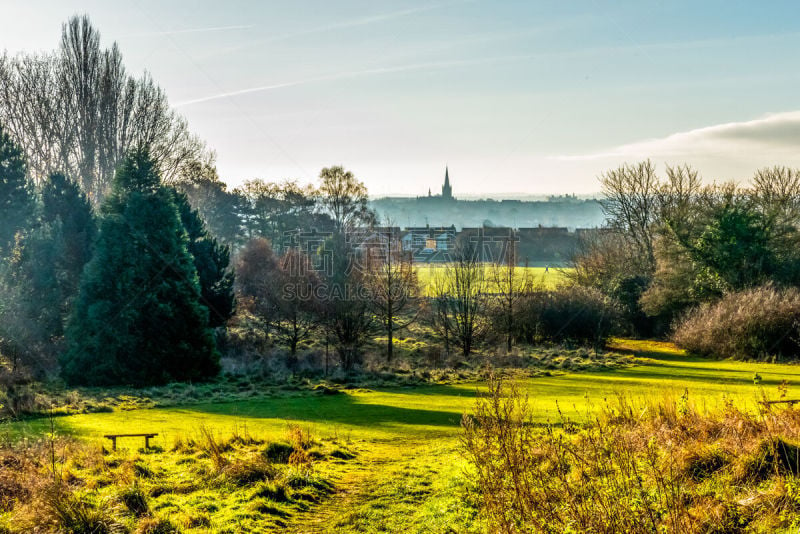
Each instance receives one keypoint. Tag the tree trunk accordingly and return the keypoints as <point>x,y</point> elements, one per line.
<point>390,340</point>
<point>295,335</point>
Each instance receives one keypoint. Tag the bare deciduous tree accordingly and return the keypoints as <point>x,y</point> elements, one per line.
<point>460,298</point>
<point>776,191</point>
<point>270,209</point>
<point>348,320</point>
<point>392,281</point>
<point>297,305</point>
<point>345,198</point>
<point>256,286</point>
<point>78,111</point>
<point>510,286</point>
<point>631,206</point>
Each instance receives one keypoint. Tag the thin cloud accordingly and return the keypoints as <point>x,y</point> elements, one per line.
<point>210,29</point>
<point>345,24</point>
<point>776,132</point>
<point>363,21</point>
<point>433,65</point>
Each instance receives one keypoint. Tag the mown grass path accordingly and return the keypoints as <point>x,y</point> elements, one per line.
<point>351,488</point>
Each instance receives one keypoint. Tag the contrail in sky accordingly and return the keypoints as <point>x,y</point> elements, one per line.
<point>353,23</point>
<point>353,74</point>
<point>211,29</point>
<point>363,21</point>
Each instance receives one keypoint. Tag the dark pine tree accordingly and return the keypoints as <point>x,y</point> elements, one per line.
<point>40,279</point>
<point>68,214</point>
<point>138,318</point>
<point>17,204</point>
<point>212,261</point>
<point>64,203</point>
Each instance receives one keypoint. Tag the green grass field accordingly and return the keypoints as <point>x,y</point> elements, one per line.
<point>435,411</point>
<point>541,276</point>
<point>408,471</point>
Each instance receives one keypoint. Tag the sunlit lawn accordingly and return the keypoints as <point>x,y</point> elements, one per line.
<point>548,277</point>
<point>435,411</point>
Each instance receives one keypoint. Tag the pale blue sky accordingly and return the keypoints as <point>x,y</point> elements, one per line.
<point>528,96</point>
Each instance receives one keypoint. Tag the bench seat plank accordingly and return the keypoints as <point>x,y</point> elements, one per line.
<point>146,435</point>
<point>152,435</point>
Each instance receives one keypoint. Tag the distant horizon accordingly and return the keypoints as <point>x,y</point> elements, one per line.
<point>501,195</point>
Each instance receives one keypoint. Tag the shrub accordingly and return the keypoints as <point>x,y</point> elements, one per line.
<point>156,526</point>
<point>535,480</point>
<point>134,500</point>
<point>571,314</point>
<point>250,471</point>
<point>757,323</point>
<point>273,491</point>
<point>278,451</point>
<point>78,515</point>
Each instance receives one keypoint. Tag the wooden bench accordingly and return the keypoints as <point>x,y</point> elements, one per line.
<point>790,402</point>
<point>113,438</point>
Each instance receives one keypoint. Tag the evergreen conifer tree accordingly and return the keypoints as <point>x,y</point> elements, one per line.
<point>40,278</point>
<point>17,204</point>
<point>212,261</point>
<point>138,318</point>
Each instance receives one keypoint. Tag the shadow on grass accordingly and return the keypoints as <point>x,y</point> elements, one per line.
<point>464,389</point>
<point>338,409</point>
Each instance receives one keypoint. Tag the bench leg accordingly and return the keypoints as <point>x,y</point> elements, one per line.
<point>146,442</point>
<point>113,444</point>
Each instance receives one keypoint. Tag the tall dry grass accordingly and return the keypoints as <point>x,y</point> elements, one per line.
<point>635,468</point>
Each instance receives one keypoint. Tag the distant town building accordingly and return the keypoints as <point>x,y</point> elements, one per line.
<point>447,190</point>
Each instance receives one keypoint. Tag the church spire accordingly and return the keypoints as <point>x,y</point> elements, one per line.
<point>447,190</point>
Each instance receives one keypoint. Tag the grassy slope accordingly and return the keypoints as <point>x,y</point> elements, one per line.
<point>407,474</point>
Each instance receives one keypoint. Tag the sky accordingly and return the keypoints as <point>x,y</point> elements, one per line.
<point>515,97</point>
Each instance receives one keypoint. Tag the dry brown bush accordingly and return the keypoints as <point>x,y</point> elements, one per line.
<point>759,323</point>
